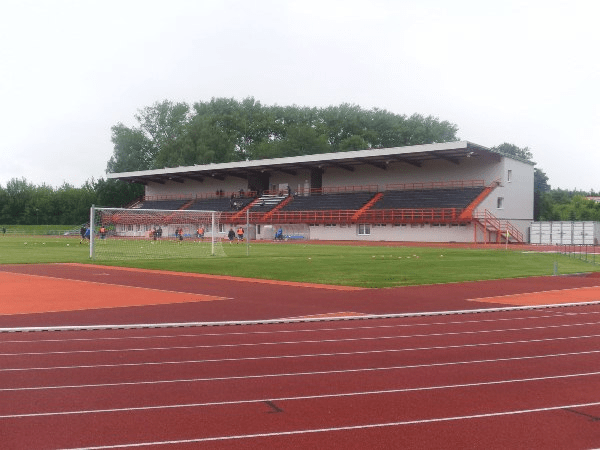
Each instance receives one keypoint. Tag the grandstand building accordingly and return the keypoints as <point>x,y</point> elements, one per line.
<point>446,192</point>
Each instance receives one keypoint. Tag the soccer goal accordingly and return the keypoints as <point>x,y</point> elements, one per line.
<point>121,233</point>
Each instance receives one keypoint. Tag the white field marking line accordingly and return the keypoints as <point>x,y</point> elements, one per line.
<point>305,330</point>
<point>320,341</point>
<point>307,355</point>
<point>120,285</point>
<point>298,398</point>
<point>301,374</point>
<point>280,321</point>
<point>342,428</point>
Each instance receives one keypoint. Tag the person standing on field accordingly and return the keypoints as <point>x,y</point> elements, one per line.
<point>240,234</point>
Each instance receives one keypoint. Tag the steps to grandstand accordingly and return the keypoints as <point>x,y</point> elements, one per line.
<point>497,230</point>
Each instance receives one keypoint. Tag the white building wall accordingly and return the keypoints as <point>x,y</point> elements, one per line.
<point>516,192</point>
<point>387,232</point>
<point>297,182</point>
<point>479,168</point>
<point>192,188</point>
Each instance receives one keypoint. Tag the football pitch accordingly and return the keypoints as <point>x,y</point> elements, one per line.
<point>378,266</point>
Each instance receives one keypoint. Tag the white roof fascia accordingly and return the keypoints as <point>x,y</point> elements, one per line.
<point>320,157</point>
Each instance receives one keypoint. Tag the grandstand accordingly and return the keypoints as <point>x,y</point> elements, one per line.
<point>455,191</point>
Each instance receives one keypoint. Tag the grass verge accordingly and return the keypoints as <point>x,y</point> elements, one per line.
<point>372,267</point>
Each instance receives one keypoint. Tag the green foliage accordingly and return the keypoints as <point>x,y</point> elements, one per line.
<point>22,203</point>
<point>116,193</point>
<point>563,205</point>
<point>132,150</point>
<point>514,151</point>
<point>225,130</point>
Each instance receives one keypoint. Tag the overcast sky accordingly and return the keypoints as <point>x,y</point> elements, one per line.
<point>516,71</point>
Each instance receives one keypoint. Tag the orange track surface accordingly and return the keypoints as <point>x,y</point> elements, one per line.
<point>22,294</point>
<point>577,295</point>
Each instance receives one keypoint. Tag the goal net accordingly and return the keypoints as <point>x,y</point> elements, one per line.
<point>121,233</point>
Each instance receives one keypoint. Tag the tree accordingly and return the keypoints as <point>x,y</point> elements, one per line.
<point>512,150</point>
<point>116,193</point>
<point>133,151</point>
<point>224,130</point>
<point>140,148</point>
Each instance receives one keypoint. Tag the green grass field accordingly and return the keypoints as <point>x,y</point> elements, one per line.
<point>374,267</point>
<point>52,230</point>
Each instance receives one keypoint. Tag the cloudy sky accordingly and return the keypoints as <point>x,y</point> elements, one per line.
<point>522,72</point>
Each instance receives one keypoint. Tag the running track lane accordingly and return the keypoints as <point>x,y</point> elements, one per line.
<point>515,379</point>
<point>245,299</point>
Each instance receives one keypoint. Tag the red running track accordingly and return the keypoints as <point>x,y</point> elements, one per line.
<point>516,379</point>
<point>243,299</point>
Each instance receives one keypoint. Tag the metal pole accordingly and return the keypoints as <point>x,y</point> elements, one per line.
<point>248,232</point>
<point>92,240</point>
<point>212,234</point>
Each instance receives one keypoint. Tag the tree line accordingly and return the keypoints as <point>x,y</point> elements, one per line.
<point>222,130</point>
<point>23,203</point>
<point>173,134</point>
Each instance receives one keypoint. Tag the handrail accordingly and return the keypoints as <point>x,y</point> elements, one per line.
<point>416,215</point>
<point>434,185</point>
<point>501,225</point>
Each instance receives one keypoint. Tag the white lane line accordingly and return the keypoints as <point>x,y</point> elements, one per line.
<point>321,341</point>
<point>344,428</point>
<point>281,321</point>
<point>302,397</point>
<point>309,355</point>
<point>301,374</point>
<point>304,330</point>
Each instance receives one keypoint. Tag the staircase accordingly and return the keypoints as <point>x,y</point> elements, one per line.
<point>366,207</point>
<point>468,211</point>
<point>279,201</point>
<point>504,231</point>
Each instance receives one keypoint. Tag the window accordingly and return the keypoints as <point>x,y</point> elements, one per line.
<point>500,203</point>
<point>364,229</point>
<point>509,176</point>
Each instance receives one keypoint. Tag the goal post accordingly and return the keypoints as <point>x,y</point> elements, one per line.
<point>121,233</point>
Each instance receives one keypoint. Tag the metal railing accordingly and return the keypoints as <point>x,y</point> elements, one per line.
<point>589,253</point>
<point>502,227</point>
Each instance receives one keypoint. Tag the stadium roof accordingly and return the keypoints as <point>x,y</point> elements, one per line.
<point>414,155</point>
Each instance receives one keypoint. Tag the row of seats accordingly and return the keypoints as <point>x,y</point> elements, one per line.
<point>324,202</point>
<point>220,204</point>
<point>428,198</point>
<point>405,199</point>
